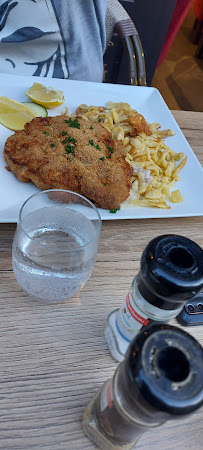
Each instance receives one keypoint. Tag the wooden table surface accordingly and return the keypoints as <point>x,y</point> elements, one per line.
<point>54,357</point>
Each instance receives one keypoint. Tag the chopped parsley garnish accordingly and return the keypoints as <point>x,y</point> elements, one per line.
<point>99,120</point>
<point>46,132</point>
<point>70,148</point>
<point>64,133</point>
<point>102,158</point>
<point>109,156</point>
<point>91,127</point>
<point>69,159</point>
<point>47,124</point>
<point>72,123</point>
<point>52,145</point>
<point>114,210</point>
<point>105,184</point>
<point>110,149</point>
<point>91,142</point>
<point>71,139</point>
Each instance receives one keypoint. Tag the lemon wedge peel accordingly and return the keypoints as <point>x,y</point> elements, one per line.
<point>14,115</point>
<point>45,96</point>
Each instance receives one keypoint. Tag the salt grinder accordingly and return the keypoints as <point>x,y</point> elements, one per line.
<point>171,272</point>
<point>161,378</point>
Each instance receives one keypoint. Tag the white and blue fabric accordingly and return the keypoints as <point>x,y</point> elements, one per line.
<point>53,38</point>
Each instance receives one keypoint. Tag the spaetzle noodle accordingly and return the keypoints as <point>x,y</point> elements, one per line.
<point>155,166</point>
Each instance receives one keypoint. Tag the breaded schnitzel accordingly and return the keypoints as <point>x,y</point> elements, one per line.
<point>71,153</point>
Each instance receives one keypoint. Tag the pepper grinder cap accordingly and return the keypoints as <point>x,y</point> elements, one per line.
<point>171,271</point>
<point>165,364</point>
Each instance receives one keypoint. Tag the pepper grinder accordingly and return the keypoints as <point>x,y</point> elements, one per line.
<point>171,272</point>
<point>161,378</point>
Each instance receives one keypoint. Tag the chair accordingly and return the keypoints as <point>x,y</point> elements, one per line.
<point>118,20</point>
<point>197,37</point>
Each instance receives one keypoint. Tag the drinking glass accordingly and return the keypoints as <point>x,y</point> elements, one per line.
<point>55,244</point>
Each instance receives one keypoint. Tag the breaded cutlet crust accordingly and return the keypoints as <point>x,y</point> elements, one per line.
<point>53,153</point>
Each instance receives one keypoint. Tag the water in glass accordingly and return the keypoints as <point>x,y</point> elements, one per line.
<point>53,262</point>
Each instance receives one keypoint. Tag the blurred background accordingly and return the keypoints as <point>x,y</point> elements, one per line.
<point>171,33</point>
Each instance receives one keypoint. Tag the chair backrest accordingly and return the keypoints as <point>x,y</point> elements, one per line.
<point>118,20</point>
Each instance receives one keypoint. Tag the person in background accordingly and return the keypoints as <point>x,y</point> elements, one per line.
<point>53,38</point>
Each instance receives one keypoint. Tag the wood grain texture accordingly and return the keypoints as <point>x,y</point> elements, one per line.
<point>54,357</point>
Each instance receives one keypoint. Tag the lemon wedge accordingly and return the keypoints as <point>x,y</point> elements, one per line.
<point>45,96</point>
<point>13,114</point>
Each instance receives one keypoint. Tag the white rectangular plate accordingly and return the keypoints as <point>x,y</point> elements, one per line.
<point>147,101</point>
